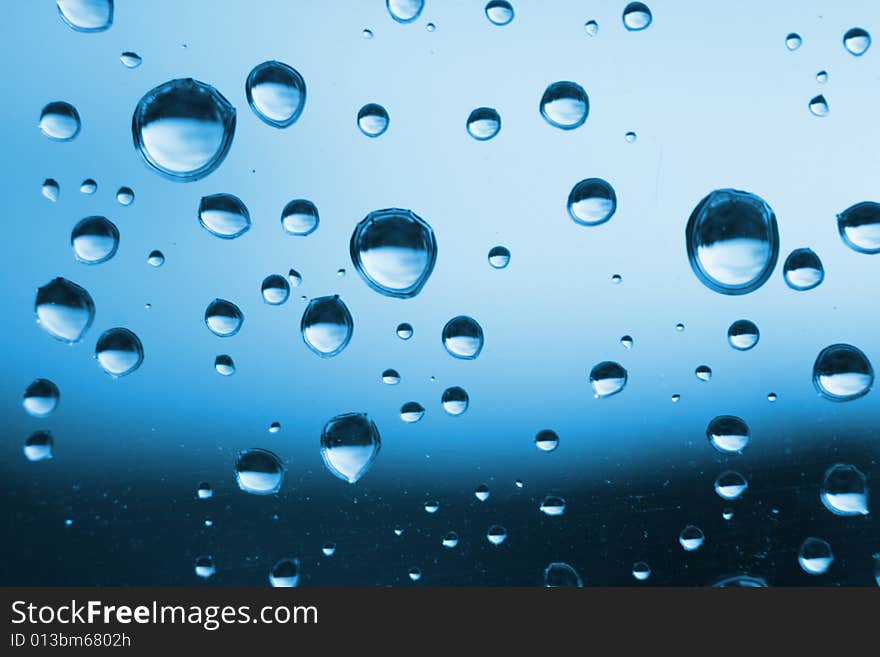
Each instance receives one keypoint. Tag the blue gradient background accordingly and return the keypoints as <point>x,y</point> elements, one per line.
<point>716,100</point>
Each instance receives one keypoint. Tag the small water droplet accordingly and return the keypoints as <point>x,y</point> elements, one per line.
<point>856,41</point>
<point>561,575</point>
<point>284,574</point>
<point>224,365</point>
<point>390,377</point>
<point>592,202</point>
<point>499,257</point>
<point>518,483</point>
<point>463,337</point>
<point>483,123</point>
<point>432,506</point>
<point>430,27</point>
<point>205,567</point>
<point>546,440</point>
<point>626,342</point>
<point>592,28</point>
<point>842,373</point>
<point>691,538</point>
<point>405,11</point>
<point>815,556</point>
<point>51,189</point>
<point>743,335</point>
<point>675,398</point>
<point>258,471</point>
<point>274,427</point>
<point>565,105</point>
<point>119,352</point>
<point>412,412</point>
<point>641,571</point>
<point>367,33</point>
<point>630,137</point>
<point>450,540</point>
<point>818,106</point>
<point>64,310</point>
<point>156,258</point>
<point>326,326</point>
<point>455,400</point>
<point>224,215</point>
<point>329,549</point>
<point>496,535</point>
<point>728,434</point>
<point>125,196</point>
<point>844,491</point>
<point>130,59</point>
<point>60,121</point>
<point>499,12</point>
<point>350,444</point>
<point>40,398</point>
<point>703,373</point>
<point>300,218</point>
<point>204,491</point>
<point>607,378</point>
<point>276,93</point>
<point>88,186</point>
<point>404,331</point>
<point>372,119</point>
<point>398,531</point>
<point>223,318</point>
<point>730,485</point>
<point>822,77</point>
<point>275,289</point>
<point>482,492</point>
<point>415,574</point>
<point>636,16</point>
<point>803,270</point>
<point>771,397</point>
<point>793,41</point>
<point>679,327</point>
<point>552,506</point>
<point>859,227</point>
<point>727,514</point>
<point>616,279</point>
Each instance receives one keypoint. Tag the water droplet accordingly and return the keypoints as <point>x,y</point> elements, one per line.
<point>415,574</point>
<point>607,378</point>
<point>430,27</point>
<point>518,483</point>
<point>636,16</point>
<point>793,41</point>
<point>771,397</point>
<point>367,33</point>
<point>223,318</point>
<point>340,272</point>
<point>483,123</point>
<point>300,217</point>
<point>499,12</point>
<point>565,105</point>
<point>703,373</point>
<point>616,279</point>
<point>394,251</point>
<point>560,575</point>
<point>130,59</point>
<point>728,433</point>
<point>294,277</point>
<point>326,326</point>
<point>455,400</point>
<point>803,270</point>
<point>275,427</point>
<point>675,398</point>
<point>691,538</point>
<point>856,41</point>
<point>431,506</point>
<point>450,540</point>
<point>818,106</point>
<point>741,581</point>
<point>482,492</point>
<point>679,327</point>
<point>845,491</point>
<point>842,373</point>
<point>405,11</point>
<point>463,337</point>
<point>40,398</point>
<point>156,259</point>
<point>412,412</point>
<point>119,352</point>
<point>224,365</point>
<point>552,506</point>
<point>125,196</point>
<point>815,556</point>
<point>38,446</point>
<point>592,202</point>
<point>258,471</point>
<point>51,189</point>
<point>349,444</point>
<point>329,549</point>
<point>627,342</point>
<point>86,15</point>
<point>630,137</point>
<point>546,440</point>
<point>275,289</point>
<point>204,491</point>
<point>730,485</point>
<point>209,522</point>
<point>592,28</point>
<point>404,331</point>
<point>88,186</point>
<point>183,129</point>
<point>727,514</point>
<point>641,571</point>
<point>284,574</point>
<point>390,377</point>
<point>499,257</point>
<point>732,241</point>
<point>496,535</point>
<point>372,119</point>
<point>64,310</point>
<point>205,567</point>
<point>822,77</point>
<point>743,334</point>
<point>276,93</point>
<point>60,121</point>
<point>859,227</point>
<point>224,216</point>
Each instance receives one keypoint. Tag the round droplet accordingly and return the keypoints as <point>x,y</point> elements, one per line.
<point>125,196</point>
<point>675,398</point>
<point>329,549</point>
<point>592,28</point>
<point>38,446</point>
<point>223,318</point>
<point>275,427</point>
<point>818,106</point>
<point>390,377</point>
<point>300,217</point>
<point>404,331</point>
<point>394,251</point>
<point>430,27</point>
<point>743,335</point>
<point>326,326</point>
<point>412,412</point>
<point>496,535</point>
<point>483,123</point>
<point>372,119</point>
<point>367,33</point>
<point>815,556</point>
<point>793,41</point>
<point>560,575</point>
<point>455,400</point>
<point>450,540</point>
<point>119,352</point>
<point>204,491</point>
<point>276,93</point>
<point>294,278</point>
<point>415,574</point>
<point>771,397</point>
<point>859,227</point>
<point>51,189</point>
<point>730,485</point>
<point>224,216</point>
<point>592,202</point>
<point>691,538</point>
<point>482,492</point>
<point>463,337</point>
<point>258,471</point>
<point>856,41</point>
<point>607,378</point>
<point>641,571</point>
<point>88,186</point>
<point>822,77</point>
<point>703,373</point>
<point>626,342</point>
<point>275,289</point>
<point>630,137</point>
<point>499,12</point>
<point>552,506</point>
<point>803,270</point>
<point>844,491</point>
<point>224,365</point>
<point>349,444</point>
<point>130,59</point>
<point>732,241</point>
<point>679,327</point>
<point>842,373</point>
<point>64,310</point>
<point>565,105</point>
<point>156,259</point>
<point>40,398</point>
<point>616,279</point>
<point>405,11</point>
<point>60,121</point>
<point>499,257</point>
<point>431,506</point>
<point>205,567</point>
<point>284,574</point>
<point>546,440</point>
<point>636,16</point>
<point>728,433</point>
<point>86,15</point>
<point>183,129</point>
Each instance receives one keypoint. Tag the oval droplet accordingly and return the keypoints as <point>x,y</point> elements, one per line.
<point>412,412</point>
<point>300,218</point>
<point>223,318</point>
<point>349,444</point>
<point>803,270</point>
<point>743,335</point>
<point>276,93</point>
<point>156,259</point>
<point>561,575</point>
<point>224,365</point>
<point>592,202</point>
<point>94,240</point>
<point>326,326</point>
<point>88,186</point>
<point>728,434</point>
<point>285,574</point>
<point>258,471</point>
<point>205,567</point>
<point>499,12</point>
<point>637,16</point>
<point>224,216</point>
<point>86,15</point>
<point>641,571</point>
<point>372,119</point>
<point>553,506</point>
<point>119,352</point>
<point>546,440</point>
<point>730,485</point>
<point>691,538</point>
<point>275,289</point>
<point>64,310</point>
<point>60,121</point>
<point>483,123</point>
<point>793,41</point>
<point>125,196</point>
<point>51,189</point>
<point>415,574</point>
<point>130,59</point>
<point>842,373</point>
<point>450,540</point>
<point>607,378</point>
<point>815,556</point>
<point>844,491</point>
<point>463,337</point>
<point>40,398</point>
<point>565,105</point>
<point>822,77</point>
<point>405,11</point>
<point>455,400</point>
<point>856,41</point>
<point>499,257</point>
<point>496,535</point>
<point>859,227</point>
<point>703,373</point>
<point>39,446</point>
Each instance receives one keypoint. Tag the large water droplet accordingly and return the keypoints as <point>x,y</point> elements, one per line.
<point>803,270</point>
<point>183,128</point>
<point>38,446</point>
<point>499,12</point>
<point>743,334</point>
<point>205,567</point>
<point>300,218</point>
<point>405,11</point>
<point>730,485</point>
<point>51,189</point>
<point>842,373</point>
<point>463,337</point>
<point>40,398</point>
<point>326,326</point>
<point>592,202</point>
<point>130,59</point>
<point>224,215</point>
<point>732,241</point>
<point>496,535</point>
<point>636,16</point>
<point>856,41</point>
<point>60,121</point>
<point>483,123</point>
<point>64,310</point>
<point>818,106</point>
<point>728,434</point>
<point>565,105</point>
<point>793,41</point>
<point>641,571</point>
<point>119,352</point>
<point>859,227</point>
<point>94,240</point>
<point>815,556</point>
<point>691,538</point>
<point>372,119</point>
<point>258,471</point>
<point>607,378</point>
<point>285,574</point>
<point>546,440</point>
<point>349,444</point>
<point>87,15</point>
<point>276,93</point>
<point>455,400</point>
<point>845,491</point>
<point>394,251</point>
<point>560,575</point>
<point>552,506</point>
<point>275,289</point>
<point>223,318</point>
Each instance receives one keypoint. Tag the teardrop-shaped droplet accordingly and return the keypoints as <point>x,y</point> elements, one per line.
<point>691,538</point>
<point>412,412</point>
<point>499,257</point>
<point>275,289</point>
<point>483,123</point>
<point>258,471</point>
<point>94,240</point>
<point>223,318</point>
<point>496,535</point>
<point>394,251</point>
<point>404,331</point>
<point>405,11</point>
<point>119,352</point>
<point>64,310</point>
<point>125,196</point>
<point>743,334</point>
<point>592,202</point>
<point>326,326</point>
<point>546,440</point>
<point>204,491</point>
<point>60,121</point>
<point>732,241</point>
<point>482,492</point>
<point>818,106</point>
<point>455,400</point>
<point>565,105</point>
<point>295,278</point>
<point>349,444</point>
<point>641,571</point>
<point>39,446</point>
<point>842,373</point>
<point>607,378</point>
<point>224,365</point>
<point>636,16</point>
<point>40,398</point>
<point>51,189</point>
<point>300,218</point>
<point>844,491</point>
<point>130,59</point>
<point>561,575</point>
<point>86,15</point>
<point>703,373</point>
<point>156,258</point>
<point>728,434</point>
<point>822,77</point>
<point>463,337</point>
<point>803,270</point>
<point>183,129</point>
<point>815,556</point>
<point>499,12</point>
<point>224,215</point>
<point>793,41</point>
<point>372,119</point>
<point>592,28</point>
<point>205,567</point>
<point>285,574</point>
<point>553,506</point>
<point>856,41</point>
<point>730,485</point>
<point>276,93</point>
<point>859,227</point>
